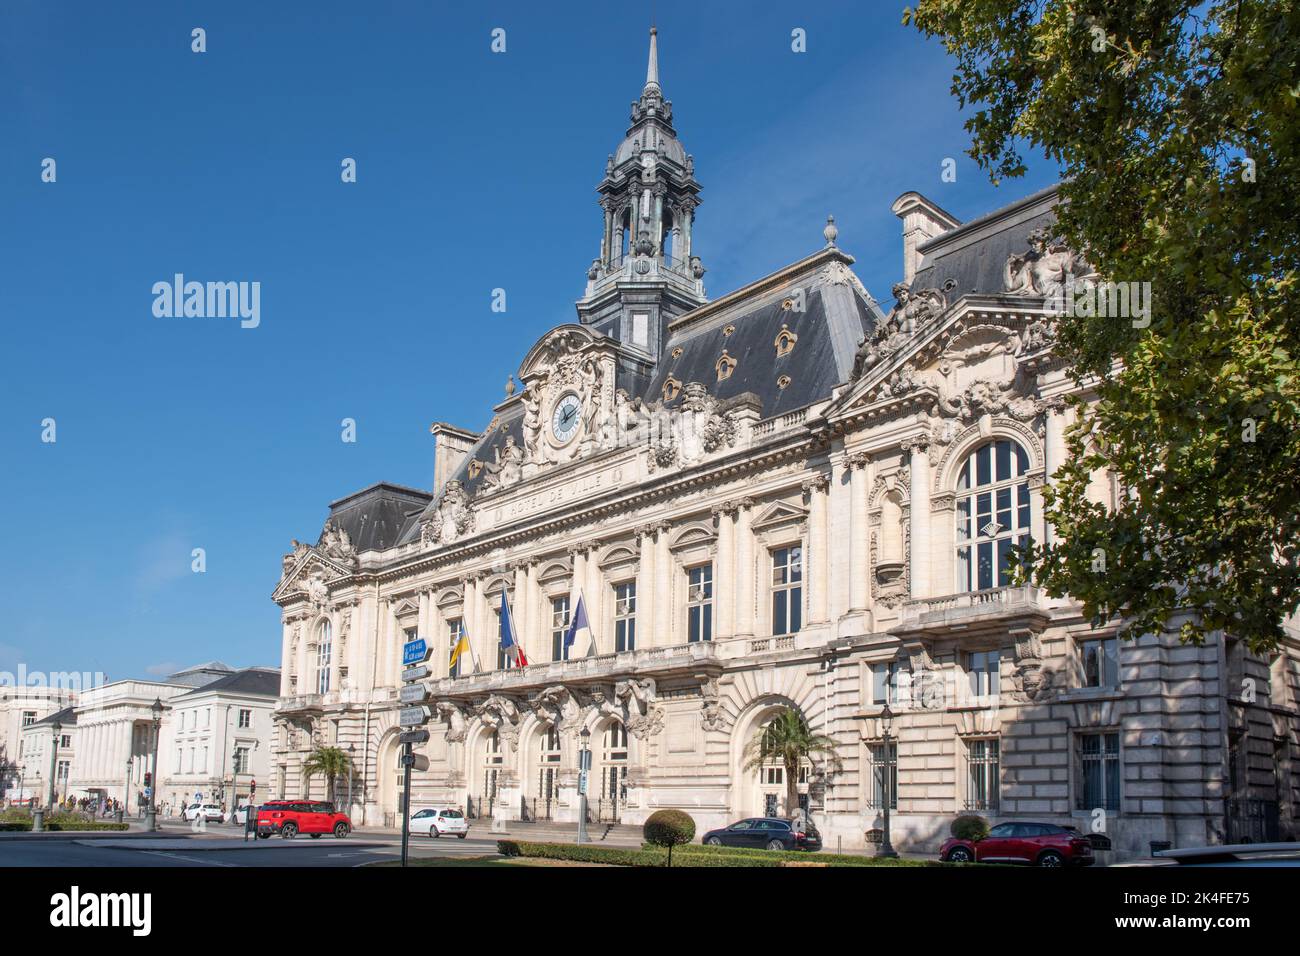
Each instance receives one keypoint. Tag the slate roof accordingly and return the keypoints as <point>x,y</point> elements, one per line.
<point>252,680</point>
<point>67,717</point>
<point>974,255</point>
<point>376,517</point>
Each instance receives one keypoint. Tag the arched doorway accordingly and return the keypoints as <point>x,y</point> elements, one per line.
<point>487,775</point>
<point>761,790</point>
<point>389,782</point>
<point>611,796</point>
<point>546,776</point>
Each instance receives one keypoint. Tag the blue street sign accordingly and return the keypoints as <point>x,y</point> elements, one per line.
<point>415,652</point>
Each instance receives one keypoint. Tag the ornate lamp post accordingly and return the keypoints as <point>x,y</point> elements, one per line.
<point>54,757</point>
<point>886,724</point>
<point>151,815</point>
<point>584,763</point>
<point>352,749</point>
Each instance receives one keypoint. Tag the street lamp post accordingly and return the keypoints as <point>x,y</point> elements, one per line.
<point>886,717</point>
<point>352,749</point>
<point>584,763</point>
<point>54,756</point>
<point>151,815</point>
<point>126,787</point>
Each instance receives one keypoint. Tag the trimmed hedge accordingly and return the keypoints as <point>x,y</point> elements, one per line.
<point>690,855</point>
<point>669,828</point>
<point>754,857</point>
<point>16,821</point>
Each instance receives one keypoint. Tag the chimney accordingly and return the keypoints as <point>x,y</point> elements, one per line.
<point>922,221</point>
<point>450,446</point>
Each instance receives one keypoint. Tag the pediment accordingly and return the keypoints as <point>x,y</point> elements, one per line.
<point>978,348</point>
<point>310,573</point>
<point>780,513</point>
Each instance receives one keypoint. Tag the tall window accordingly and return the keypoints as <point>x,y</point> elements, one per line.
<point>245,718</point>
<point>1098,767</point>
<point>559,625</point>
<point>983,674</point>
<point>323,651</point>
<point>1100,662</point>
<point>884,776</point>
<point>241,760</point>
<point>625,617</point>
<point>884,682</point>
<point>982,763</point>
<point>992,514</point>
<point>787,590</point>
<point>504,661</point>
<point>699,603</point>
<point>455,631</point>
<point>492,762</point>
<point>613,771</point>
<point>29,717</point>
<point>548,766</point>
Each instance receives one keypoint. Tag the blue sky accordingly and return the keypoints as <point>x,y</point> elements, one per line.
<point>475,171</point>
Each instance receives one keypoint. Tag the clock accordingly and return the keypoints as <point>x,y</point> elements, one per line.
<point>566,418</point>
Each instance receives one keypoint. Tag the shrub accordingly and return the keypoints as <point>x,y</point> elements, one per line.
<point>669,828</point>
<point>691,856</point>
<point>970,827</point>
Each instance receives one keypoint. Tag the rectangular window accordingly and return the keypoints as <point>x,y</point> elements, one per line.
<point>699,603</point>
<point>1100,663</point>
<point>241,760</point>
<point>29,717</point>
<point>625,617</point>
<point>455,631</point>
<point>179,754</point>
<point>245,718</point>
<point>884,776</point>
<point>65,741</point>
<point>559,626</point>
<point>1098,768</point>
<point>982,764</point>
<point>884,682</point>
<point>983,673</point>
<point>63,771</point>
<point>787,590</point>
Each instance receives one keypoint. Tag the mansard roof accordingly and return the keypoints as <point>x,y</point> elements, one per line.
<point>972,258</point>
<point>254,681</point>
<point>376,517</point>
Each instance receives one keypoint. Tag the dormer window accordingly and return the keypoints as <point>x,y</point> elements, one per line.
<point>725,366</point>
<point>785,341</point>
<point>672,388</point>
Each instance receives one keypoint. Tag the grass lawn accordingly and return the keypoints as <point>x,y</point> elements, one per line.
<point>482,861</point>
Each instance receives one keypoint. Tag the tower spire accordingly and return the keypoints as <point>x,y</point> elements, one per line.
<point>652,68</point>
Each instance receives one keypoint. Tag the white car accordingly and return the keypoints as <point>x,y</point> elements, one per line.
<point>208,812</point>
<point>241,815</point>
<point>435,821</point>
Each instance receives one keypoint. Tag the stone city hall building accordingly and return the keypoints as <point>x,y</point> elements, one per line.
<point>780,498</point>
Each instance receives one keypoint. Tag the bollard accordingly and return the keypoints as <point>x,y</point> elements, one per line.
<point>38,820</point>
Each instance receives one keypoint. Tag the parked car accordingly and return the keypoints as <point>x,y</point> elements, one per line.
<point>1233,854</point>
<point>772,833</point>
<point>240,815</point>
<point>435,821</point>
<point>207,812</point>
<point>291,817</point>
<point>1036,844</point>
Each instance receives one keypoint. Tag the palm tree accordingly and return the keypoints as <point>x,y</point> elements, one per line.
<point>332,762</point>
<point>788,739</point>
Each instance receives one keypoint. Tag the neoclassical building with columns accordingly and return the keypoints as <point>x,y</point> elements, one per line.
<point>785,497</point>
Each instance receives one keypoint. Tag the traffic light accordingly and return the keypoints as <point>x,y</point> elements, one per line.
<point>252,787</point>
<point>148,779</point>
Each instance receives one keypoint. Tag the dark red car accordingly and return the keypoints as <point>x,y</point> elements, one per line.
<point>1035,844</point>
<point>291,817</point>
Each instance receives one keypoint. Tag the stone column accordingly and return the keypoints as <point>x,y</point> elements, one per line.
<point>662,595</point>
<point>609,233</point>
<point>687,215</point>
<point>469,618</point>
<point>579,556</point>
<point>597,599</point>
<point>647,607</point>
<point>724,573</point>
<point>817,562</point>
<point>744,569</point>
<point>286,642</point>
<point>859,475</point>
<point>839,518</point>
<point>920,517</point>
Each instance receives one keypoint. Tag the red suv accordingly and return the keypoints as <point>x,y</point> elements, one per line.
<point>291,817</point>
<point>1038,844</point>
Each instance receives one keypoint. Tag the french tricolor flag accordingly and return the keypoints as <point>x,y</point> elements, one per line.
<point>508,642</point>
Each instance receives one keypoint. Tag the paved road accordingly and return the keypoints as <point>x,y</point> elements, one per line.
<point>180,848</point>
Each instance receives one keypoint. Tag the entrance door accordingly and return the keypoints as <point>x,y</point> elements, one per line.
<point>548,774</point>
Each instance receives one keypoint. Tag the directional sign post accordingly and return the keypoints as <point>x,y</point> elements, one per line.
<point>413,694</point>
<point>416,716</point>
<point>415,652</point>
<point>414,655</point>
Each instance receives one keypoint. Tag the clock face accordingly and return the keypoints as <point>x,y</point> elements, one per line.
<point>566,418</point>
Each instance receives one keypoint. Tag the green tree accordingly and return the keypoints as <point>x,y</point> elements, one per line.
<point>330,762</point>
<point>1174,125</point>
<point>788,739</point>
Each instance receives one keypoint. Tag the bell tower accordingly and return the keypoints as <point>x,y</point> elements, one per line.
<point>647,272</point>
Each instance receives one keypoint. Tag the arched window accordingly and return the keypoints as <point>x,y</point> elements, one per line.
<point>992,513</point>
<point>548,772</point>
<point>324,649</point>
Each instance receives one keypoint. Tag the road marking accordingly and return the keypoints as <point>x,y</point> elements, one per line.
<point>187,859</point>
